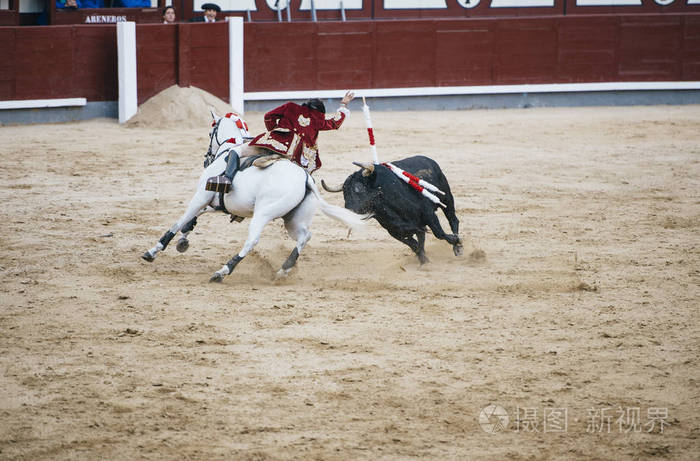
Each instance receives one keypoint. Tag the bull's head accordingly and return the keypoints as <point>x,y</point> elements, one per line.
<point>359,189</point>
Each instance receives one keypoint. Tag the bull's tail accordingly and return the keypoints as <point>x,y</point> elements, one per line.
<point>347,217</point>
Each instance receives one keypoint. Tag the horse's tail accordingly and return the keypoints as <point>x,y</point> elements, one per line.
<point>347,217</point>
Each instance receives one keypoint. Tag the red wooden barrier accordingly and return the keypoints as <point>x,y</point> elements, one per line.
<point>81,61</point>
<point>397,54</point>
<point>58,62</point>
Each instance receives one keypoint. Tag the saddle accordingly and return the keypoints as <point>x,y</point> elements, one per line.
<point>222,184</point>
<point>261,161</point>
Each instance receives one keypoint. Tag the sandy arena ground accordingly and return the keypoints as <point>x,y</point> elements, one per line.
<point>577,292</point>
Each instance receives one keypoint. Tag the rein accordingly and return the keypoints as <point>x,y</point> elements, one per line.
<point>210,156</point>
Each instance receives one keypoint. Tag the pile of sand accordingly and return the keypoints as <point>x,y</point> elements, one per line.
<point>177,106</point>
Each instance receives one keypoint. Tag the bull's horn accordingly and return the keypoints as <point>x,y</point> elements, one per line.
<point>367,168</point>
<point>331,189</point>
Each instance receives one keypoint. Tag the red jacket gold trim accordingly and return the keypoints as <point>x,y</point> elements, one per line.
<point>292,130</point>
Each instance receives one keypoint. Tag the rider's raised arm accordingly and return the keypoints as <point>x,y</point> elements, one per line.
<point>334,120</point>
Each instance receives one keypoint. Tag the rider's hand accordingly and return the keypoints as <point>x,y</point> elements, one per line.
<point>349,96</point>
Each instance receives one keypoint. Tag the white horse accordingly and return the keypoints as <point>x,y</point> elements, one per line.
<point>281,190</point>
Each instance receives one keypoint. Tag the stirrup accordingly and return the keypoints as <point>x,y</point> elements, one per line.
<point>218,184</point>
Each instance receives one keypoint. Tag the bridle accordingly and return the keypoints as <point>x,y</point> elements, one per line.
<point>211,155</point>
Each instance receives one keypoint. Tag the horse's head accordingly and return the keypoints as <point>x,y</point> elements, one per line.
<point>231,128</point>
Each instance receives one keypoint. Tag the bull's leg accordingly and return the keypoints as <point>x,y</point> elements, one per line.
<point>418,246</point>
<point>450,213</point>
<point>451,216</point>
<point>452,239</point>
<point>200,200</point>
<point>257,223</point>
<point>421,248</point>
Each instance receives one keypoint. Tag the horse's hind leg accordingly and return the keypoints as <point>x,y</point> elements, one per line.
<point>257,223</point>
<point>200,200</point>
<point>297,223</point>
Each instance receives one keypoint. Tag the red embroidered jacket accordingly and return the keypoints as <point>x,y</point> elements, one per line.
<point>292,130</point>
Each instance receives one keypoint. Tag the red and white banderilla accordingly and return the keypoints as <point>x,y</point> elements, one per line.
<point>418,184</point>
<point>424,187</point>
<point>370,131</point>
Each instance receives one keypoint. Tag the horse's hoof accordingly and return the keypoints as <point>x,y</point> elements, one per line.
<point>147,256</point>
<point>182,245</point>
<point>218,278</point>
<point>458,249</point>
<point>281,274</point>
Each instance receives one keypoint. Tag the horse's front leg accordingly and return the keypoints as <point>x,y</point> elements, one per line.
<point>183,244</point>
<point>200,200</point>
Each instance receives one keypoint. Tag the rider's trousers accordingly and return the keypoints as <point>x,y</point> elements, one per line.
<point>231,165</point>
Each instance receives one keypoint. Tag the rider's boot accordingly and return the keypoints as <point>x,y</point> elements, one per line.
<point>223,183</point>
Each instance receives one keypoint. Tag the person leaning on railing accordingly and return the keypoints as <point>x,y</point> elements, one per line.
<point>132,3</point>
<point>62,4</point>
<point>43,19</point>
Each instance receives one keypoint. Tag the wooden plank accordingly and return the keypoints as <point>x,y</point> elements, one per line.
<point>650,48</point>
<point>95,63</point>
<point>344,56</point>
<point>156,56</point>
<point>690,57</point>
<point>465,52</point>
<point>44,59</point>
<point>587,49</point>
<point>526,51</point>
<point>403,59</point>
<point>7,63</point>
<point>209,58</point>
<point>283,57</point>
<point>183,55</point>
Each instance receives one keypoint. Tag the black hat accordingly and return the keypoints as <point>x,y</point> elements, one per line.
<point>211,6</point>
<point>315,104</point>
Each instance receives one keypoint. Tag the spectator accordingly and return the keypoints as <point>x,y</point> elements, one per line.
<point>67,4</point>
<point>132,3</point>
<point>63,4</point>
<point>169,15</point>
<point>210,10</point>
<point>43,19</point>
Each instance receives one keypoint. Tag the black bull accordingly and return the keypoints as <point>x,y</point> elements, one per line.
<point>398,207</point>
